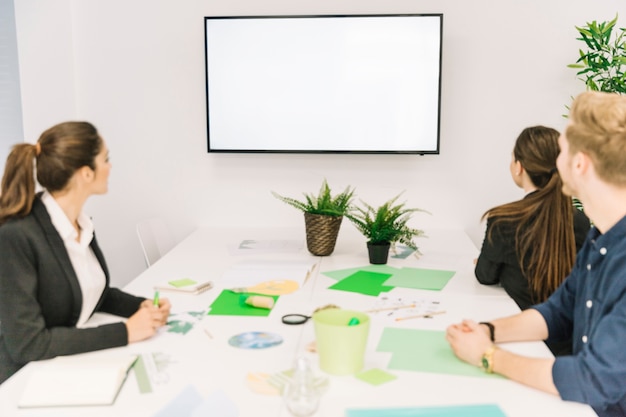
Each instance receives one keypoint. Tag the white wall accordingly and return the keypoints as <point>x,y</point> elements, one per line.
<point>136,70</point>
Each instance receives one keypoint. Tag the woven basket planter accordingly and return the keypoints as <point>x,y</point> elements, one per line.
<point>321,233</point>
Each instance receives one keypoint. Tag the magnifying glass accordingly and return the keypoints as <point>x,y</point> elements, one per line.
<point>295,319</point>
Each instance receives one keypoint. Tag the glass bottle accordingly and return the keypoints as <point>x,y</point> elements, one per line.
<point>301,396</point>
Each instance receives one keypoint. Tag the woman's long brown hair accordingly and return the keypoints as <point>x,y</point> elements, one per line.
<point>58,154</point>
<point>543,221</point>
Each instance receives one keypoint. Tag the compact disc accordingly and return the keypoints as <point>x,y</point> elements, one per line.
<point>255,340</point>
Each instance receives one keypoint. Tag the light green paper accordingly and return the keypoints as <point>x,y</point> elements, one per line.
<point>375,376</point>
<point>343,273</point>
<point>363,282</point>
<point>185,282</point>
<point>227,304</point>
<point>471,410</point>
<point>424,351</point>
<point>420,279</point>
<point>141,375</point>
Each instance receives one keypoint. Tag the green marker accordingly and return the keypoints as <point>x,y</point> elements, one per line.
<point>156,299</point>
<point>353,321</point>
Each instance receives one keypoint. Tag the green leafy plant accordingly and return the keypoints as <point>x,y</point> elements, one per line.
<point>324,202</point>
<point>602,64</point>
<point>387,223</point>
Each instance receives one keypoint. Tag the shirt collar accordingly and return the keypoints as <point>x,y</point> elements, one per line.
<point>63,225</point>
<point>614,234</point>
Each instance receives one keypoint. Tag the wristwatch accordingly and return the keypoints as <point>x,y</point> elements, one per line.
<point>486,361</point>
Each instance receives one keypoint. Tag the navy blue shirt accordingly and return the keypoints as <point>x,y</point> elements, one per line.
<point>590,306</point>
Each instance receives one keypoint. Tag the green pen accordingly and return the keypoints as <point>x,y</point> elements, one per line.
<point>156,299</point>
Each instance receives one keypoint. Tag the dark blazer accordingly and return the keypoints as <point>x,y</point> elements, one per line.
<point>497,262</point>
<point>40,297</point>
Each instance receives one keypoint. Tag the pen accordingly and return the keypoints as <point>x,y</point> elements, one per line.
<point>376,310</point>
<point>156,299</point>
<point>421,315</point>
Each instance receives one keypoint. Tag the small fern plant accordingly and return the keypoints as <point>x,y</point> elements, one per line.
<point>324,203</point>
<point>387,223</point>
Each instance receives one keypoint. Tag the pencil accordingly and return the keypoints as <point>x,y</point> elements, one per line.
<point>155,301</point>
<point>421,315</point>
<point>376,310</point>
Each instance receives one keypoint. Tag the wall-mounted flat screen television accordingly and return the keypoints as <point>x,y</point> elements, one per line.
<point>317,84</point>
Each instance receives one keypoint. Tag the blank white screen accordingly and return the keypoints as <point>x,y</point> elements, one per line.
<point>300,84</point>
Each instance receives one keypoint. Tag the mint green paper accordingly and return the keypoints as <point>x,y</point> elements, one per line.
<point>343,273</point>
<point>179,283</point>
<point>375,376</point>
<point>420,278</point>
<point>363,282</point>
<point>472,410</point>
<point>424,351</point>
<point>227,304</point>
<point>141,375</point>
<point>340,347</point>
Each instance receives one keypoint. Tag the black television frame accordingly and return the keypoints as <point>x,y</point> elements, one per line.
<point>437,108</point>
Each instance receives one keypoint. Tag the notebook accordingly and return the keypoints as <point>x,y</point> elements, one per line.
<point>185,285</point>
<point>76,381</point>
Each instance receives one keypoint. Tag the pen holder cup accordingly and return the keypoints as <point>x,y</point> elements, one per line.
<point>341,338</point>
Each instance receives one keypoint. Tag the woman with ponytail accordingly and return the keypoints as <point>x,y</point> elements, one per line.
<point>53,276</point>
<point>530,245</point>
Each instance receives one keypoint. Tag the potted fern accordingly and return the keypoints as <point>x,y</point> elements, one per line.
<point>384,226</point>
<point>323,214</point>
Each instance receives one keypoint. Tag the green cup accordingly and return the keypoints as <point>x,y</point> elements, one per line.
<point>341,338</point>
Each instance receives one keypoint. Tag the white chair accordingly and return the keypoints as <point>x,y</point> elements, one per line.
<point>155,239</point>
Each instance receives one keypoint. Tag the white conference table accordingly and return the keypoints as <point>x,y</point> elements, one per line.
<point>203,358</point>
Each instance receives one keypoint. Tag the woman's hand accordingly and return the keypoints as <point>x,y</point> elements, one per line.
<point>147,320</point>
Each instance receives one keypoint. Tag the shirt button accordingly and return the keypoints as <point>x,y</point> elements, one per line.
<point>589,303</point>
<point>588,267</point>
<point>602,251</point>
<point>584,339</point>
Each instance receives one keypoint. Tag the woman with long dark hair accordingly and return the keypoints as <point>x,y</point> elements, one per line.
<point>530,245</point>
<point>53,276</point>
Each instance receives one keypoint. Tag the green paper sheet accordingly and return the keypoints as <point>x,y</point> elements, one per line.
<point>227,304</point>
<point>424,351</point>
<point>473,410</point>
<point>375,376</point>
<point>420,279</point>
<point>184,282</point>
<point>363,282</point>
<point>343,273</point>
<point>141,375</point>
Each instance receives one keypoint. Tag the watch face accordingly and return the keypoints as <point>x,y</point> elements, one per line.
<point>485,363</point>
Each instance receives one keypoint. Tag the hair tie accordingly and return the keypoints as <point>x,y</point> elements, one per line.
<point>37,149</point>
<point>553,171</point>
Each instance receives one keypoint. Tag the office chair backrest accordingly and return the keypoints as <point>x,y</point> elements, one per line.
<point>155,239</point>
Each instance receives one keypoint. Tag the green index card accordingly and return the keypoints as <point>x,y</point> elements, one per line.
<point>375,376</point>
<point>185,282</point>
<point>364,282</point>
<point>420,278</point>
<point>228,304</point>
